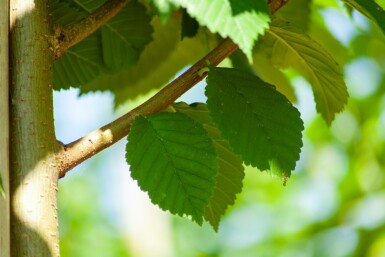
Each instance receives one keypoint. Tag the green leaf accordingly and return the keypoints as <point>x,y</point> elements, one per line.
<point>297,12</point>
<point>2,192</point>
<point>159,62</point>
<point>189,25</point>
<point>370,9</point>
<point>239,61</point>
<point>125,36</point>
<point>263,68</point>
<point>163,7</point>
<point>173,159</point>
<point>272,75</point>
<point>289,47</point>
<point>65,13</point>
<point>116,46</point>
<point>230,169</point>
<point>242,21</point>
<point>260,123</point>
<point>80,64</point>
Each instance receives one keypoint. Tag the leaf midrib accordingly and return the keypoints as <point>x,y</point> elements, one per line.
<point>174,167</point>
<point>298,54</point>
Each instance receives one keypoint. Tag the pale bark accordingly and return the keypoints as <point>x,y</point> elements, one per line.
<point>4,131</point>
<point>34,175</point>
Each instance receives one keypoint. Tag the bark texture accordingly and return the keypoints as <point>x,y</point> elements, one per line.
<point>4,130</point>
<point>34,175</point>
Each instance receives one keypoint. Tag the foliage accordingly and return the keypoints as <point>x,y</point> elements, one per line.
<point>180,157</point>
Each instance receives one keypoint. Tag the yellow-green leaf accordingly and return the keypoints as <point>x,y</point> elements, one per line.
<point>290,47</point>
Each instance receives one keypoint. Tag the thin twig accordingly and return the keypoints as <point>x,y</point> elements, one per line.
<point>89,145</point>
<point>67,36</point>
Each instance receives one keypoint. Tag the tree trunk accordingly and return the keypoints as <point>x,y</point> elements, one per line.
<point>4,130</point>
<point>33,172</point>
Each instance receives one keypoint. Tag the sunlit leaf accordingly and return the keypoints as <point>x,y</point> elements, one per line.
<point>260,123</point>
<point>173,159</point>
<point>242,21</point>
<point>297,12</point>
<point>230,169</point>
<point>290,47</point>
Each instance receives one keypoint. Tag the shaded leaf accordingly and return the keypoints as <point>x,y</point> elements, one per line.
<point>80,64</point>
<point>230,169</point>
<point>116,46</point>
<point>242,21</point>
<point>189,25</point>
<point>125,36</point>
<point>173,159</point>
<point>260,123</point>
<point>155,68</point>
<point>65,13</point>
<point>290,47</point>
<point>239,61</point>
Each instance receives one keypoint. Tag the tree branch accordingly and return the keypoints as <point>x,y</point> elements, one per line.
<point>67,36</point>
<point>89,145</point>
<point>82,149</point>
<point>275,5</point>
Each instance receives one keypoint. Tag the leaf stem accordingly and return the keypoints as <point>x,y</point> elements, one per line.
<point>66,36</point>
<point>80,150</point>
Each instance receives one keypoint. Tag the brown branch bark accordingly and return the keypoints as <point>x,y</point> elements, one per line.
<point>275,5</point>
<point>87,146</point>
<point>67,36</point>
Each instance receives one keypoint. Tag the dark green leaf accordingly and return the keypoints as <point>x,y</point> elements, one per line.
<point>189,25</point>
<point>65,13</point>
<point>125,36</point>
<point>230,169</point>
<point>173,159</point>
<point>259,122</point>
<point>80,64</point>
<point>240,62</point>
<point>242,21</point>
<point>116,46</point>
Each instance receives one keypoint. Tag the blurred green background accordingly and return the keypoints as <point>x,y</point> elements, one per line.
<point>332,206</point>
